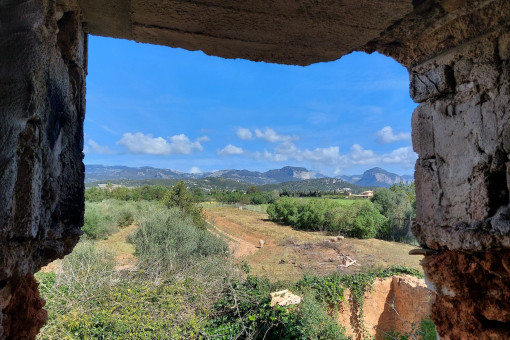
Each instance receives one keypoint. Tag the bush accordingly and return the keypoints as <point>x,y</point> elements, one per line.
<point>179,197</point>
<point>97,302</point>
<point>103,218</point>
<point>360,219</point>
<point>367,222</point>
<point>126,216</point>
<point>98,224</point>
<point>168,239</point>
<point>244,311</point>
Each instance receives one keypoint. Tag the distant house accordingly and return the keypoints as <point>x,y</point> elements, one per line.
<point>109,186</point>
<point>365,194</point>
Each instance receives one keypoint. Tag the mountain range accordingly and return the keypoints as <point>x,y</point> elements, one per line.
<point>375,177</point>
<point>96,173</point>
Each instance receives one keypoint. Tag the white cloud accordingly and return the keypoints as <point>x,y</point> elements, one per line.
<point>386,135</point>
<point>195,170</point>
<point>360,156</point>
<point>404,156</point>
<point>91,147</point>
<point>271,136</point>
<point>244,134</point>
<point>230,150</point>
<point>331,156</point>
<point>106,128</point>
<point>139,143</point>
<point>203,139</point>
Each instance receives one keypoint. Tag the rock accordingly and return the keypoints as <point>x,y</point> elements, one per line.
<point>284,298</point>
<point>394,303</point>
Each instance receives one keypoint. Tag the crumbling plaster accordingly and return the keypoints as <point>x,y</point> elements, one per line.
<point>458,56</point>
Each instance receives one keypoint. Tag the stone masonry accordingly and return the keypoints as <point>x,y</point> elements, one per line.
<point>42,106</point>
<point>458,56</point>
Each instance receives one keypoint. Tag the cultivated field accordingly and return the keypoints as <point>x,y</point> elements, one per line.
<point>288,254</point>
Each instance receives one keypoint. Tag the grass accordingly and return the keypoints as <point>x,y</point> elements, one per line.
<point>91,296</point>
<point>288,254</point>
<point>122,250</point>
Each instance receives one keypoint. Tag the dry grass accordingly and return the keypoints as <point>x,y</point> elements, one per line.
<point>288,254</point>
<point>124,252</point>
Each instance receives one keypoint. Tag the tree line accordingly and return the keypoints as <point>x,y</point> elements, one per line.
<point>361,218</point>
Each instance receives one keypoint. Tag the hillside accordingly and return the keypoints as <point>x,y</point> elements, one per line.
<point>206,184</point>
<point>377,177</point>
<point>310,185</point>
<point>98,173</point>
<point>292,179</point>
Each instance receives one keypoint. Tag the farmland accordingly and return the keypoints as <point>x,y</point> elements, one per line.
<point>288,254</point>
<point>153,263</point>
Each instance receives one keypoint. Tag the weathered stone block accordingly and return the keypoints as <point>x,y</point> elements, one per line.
<point>42,106</point>
<point>423,131</point>
<point>504,46</point>
<point>434,83</point>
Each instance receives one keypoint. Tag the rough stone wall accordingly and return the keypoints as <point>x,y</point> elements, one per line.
<point>42,106</point>
<point>461,131</point>
<point>460,74</point>
<point>392,304</point>
<point>458,55</point>
<point>298,32</point>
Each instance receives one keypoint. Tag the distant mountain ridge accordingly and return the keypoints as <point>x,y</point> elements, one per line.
<point>95,173</point>
<point>378,177</point>
<point>375,177</point>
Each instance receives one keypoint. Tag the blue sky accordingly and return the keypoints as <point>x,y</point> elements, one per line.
<point>157,106</point>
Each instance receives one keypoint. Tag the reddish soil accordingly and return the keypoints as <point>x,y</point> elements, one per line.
<point>288,254</point>
<point>25,313</point>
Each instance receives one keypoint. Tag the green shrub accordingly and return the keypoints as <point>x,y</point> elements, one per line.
<point>168,239</point>
<point>244,311</point>
<point>426,330</point>
<point>98,221</point>
<point>126,216</point>
<point>179,197</point>
<point>89,299</point>
<point>360,219</point>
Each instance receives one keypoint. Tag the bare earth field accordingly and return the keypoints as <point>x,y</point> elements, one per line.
<point>288,254</point>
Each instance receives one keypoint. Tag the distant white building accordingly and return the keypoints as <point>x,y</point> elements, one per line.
<point>109,186</point>
<point>365,194</point>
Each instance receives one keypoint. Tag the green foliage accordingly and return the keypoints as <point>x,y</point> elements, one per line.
<point>252,196</point>
<point>104,218</point>
<point>368,221</point>
<point>168,240</point>
<point>396,202</point>
<point>330,289</point>
<point>100,219</point>
<point>252,190</point>
<point>244,311</point>
<point>358,219</point>
<point>87,299</point>
<point>426,330</point>
<point>178,196</point>
<point>143,193</point>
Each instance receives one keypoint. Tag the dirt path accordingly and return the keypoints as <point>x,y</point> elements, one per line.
<point>123,251</point>
<point>288,253</point>
<point>238,246</point>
